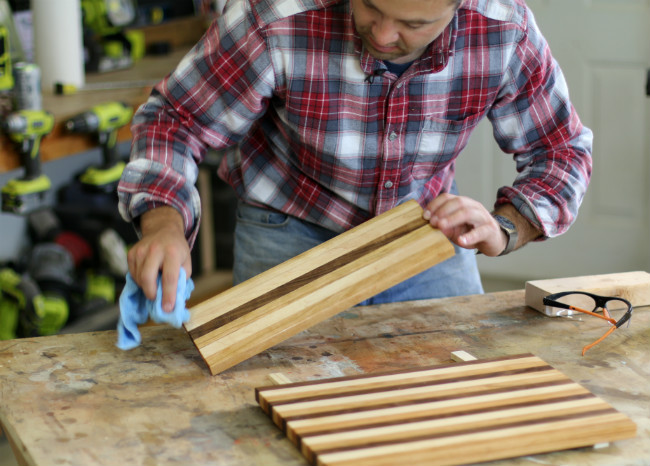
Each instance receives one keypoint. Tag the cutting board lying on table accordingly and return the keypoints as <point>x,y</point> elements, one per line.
<point>327,279</point>
<point>442,415</point>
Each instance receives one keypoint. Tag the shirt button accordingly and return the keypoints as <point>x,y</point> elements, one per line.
<point>399,85</point>
<point>392,136</point>
<point>388,184</point>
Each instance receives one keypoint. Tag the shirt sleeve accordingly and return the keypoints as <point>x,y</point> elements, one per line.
<point>534,120</point>
<point>210,100</point>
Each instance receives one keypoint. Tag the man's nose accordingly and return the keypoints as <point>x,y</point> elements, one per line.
<point>384,32</point>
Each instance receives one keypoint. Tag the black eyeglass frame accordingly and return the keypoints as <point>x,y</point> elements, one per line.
<point>601,303</point>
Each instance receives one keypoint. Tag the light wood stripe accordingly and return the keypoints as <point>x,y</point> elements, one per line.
<point>456,425</point>
<point>401,412</point>
<point>436,416</point>
<point>487,445</point>
<point>341,385</point>
<point>431,386</point>
<point>509,382</point>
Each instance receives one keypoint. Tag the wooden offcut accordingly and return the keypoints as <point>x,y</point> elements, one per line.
<point>633,286</point>
<point>325,280</point>
<point>454,414</point>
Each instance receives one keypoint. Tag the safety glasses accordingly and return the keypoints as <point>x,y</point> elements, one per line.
<point>615,311</point>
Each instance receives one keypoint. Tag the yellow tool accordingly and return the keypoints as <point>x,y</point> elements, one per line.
<point>104,119</point>
<point>6,76</point>
<point>26,128</point>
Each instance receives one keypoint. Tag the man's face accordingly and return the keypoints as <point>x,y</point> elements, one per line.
<point>400,31</point>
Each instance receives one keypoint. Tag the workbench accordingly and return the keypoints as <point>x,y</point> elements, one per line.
<point>78,400</point>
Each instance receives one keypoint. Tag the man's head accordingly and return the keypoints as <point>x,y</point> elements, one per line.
<point>400,31</point>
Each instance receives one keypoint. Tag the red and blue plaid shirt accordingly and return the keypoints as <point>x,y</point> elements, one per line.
<point>325,134</point>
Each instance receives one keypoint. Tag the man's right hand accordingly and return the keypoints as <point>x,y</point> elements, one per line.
<point>163,247</point>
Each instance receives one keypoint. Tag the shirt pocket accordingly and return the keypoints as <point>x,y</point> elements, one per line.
<point>439,143</point>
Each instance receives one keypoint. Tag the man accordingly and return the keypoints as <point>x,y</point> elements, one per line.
<point>342,109</point>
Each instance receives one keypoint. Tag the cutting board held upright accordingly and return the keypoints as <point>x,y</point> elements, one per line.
<point>293,296</point>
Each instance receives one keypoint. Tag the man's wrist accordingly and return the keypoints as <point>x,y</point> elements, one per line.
<point>510,230</point>
<point>160,217</point>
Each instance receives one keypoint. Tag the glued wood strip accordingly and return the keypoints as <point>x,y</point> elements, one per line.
<point>345,385</point>
<point>479,411</point>
<point>315,285</point>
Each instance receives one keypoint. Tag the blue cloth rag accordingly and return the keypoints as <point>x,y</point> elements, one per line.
<point>136,309</point>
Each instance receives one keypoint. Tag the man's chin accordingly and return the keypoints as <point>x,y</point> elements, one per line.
<point>392,57</point>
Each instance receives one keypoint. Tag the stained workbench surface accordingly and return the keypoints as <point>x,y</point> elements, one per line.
<point>78,400</point>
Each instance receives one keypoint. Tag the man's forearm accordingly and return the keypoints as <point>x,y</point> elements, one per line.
<point>526,231</point>
<point>161,217</point>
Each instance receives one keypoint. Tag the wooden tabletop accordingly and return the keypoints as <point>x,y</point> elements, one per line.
<point>78,400</point>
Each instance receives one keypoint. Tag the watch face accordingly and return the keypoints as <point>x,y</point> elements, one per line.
<point>505,223</point>
<point>511,232</point>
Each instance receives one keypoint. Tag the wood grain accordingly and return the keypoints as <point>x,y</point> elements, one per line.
<point>327,279</point>
<point>442,415</point>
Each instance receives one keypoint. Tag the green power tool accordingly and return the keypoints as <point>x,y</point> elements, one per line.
<point>6,76</point>
<point>108,45</point>
<point>105,120</point>
<point>25,311</point>
<point>26,128</point>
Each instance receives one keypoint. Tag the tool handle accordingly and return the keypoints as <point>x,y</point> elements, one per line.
<point>108,141</point>
<point>29,153</point>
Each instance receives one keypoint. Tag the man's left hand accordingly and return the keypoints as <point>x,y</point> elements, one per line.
<point>467,223</point>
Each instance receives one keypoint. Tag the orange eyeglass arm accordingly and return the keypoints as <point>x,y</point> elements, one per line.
<point>591,345</point>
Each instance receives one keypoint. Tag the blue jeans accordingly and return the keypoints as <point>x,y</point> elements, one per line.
<point>265,238</point>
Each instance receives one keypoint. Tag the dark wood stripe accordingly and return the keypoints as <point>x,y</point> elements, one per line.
<point>304,279</point>
<point>395,372</point>
<point>453,378</point>
<point>466,431</point>
<point>432,417</point>
<point>430,399</point>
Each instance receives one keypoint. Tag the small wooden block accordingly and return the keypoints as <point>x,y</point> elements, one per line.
<point>454,414</point>
<point>461,356</point>
<point>291,297</point>
<point>633,286</point>
<point>278,378</point>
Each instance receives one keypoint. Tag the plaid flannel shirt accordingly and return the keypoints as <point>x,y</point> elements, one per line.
<point>326,134</point>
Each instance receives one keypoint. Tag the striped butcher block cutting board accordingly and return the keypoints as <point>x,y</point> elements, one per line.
<point>325,280</point>
<point>442,415</point>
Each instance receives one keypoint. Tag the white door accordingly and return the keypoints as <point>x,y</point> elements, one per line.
<point>603,47</point>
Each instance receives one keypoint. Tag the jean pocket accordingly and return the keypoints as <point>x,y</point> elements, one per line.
<point>260,216</point>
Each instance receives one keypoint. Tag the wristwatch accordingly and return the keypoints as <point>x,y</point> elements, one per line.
<point>511,233</point>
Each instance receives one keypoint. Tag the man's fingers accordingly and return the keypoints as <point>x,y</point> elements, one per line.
<point>169,283</point>
<point>148,274</point>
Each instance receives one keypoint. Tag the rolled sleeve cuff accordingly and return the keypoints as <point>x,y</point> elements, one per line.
<point>146,185</point>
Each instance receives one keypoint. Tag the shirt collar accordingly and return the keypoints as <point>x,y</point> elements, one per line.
<point>433,60</point>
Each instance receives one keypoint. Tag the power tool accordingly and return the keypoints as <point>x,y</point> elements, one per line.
<point>107,45</point>
<point>26,311</point>
<point>26,128</point>
<point>104,119</point>
<point>6,76</point>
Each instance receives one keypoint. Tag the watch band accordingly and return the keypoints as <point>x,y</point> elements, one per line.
<point>511,232</point>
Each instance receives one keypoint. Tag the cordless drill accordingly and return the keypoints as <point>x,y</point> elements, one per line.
<point>26,128</point>
<point>105,120</point>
